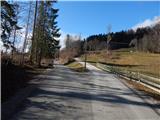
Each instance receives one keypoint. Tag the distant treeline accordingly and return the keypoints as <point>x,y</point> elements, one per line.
<point>143,39</point>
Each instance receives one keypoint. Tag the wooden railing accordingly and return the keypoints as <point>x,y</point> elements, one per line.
<point>135,76</point>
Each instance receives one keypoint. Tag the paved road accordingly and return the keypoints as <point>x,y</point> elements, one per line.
<point>62,94</point>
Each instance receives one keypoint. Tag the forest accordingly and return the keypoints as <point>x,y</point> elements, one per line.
<point>29,34</point>
<point>143,39</point>
<point>42,27</point>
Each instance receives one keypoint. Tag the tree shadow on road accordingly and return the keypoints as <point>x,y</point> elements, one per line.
<point>61,93</point>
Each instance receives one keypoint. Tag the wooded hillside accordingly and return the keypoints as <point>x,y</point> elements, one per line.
<point>143,39</point>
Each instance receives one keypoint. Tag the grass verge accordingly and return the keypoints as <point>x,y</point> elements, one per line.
<point>129,60</point>
<point>76,66</point>
<point>144,89</point>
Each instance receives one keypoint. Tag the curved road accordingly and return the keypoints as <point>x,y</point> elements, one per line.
<point>62,94</point>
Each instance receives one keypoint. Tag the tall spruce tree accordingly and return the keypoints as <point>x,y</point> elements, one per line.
<point>46,32</point>
<point>32,59</point>
<point>8,22</point>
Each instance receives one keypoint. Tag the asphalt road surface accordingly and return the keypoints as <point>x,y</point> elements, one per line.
<point>62,94</point>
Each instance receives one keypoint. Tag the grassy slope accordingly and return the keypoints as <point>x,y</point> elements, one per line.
<point>146,63</point>
<point>76,66</point>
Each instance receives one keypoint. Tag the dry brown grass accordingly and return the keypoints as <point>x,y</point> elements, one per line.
<point>76,66</point>
<point>142,88</point>
<point>146,63</point>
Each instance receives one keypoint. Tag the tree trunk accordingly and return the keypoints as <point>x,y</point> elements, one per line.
<point>33,48</point>
<point>26,34</point>
<point>14,38</point>
<point>40,57</point>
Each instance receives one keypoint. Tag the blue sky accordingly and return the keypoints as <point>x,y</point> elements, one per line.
<point>93,17</point>
<point>88,18</point>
